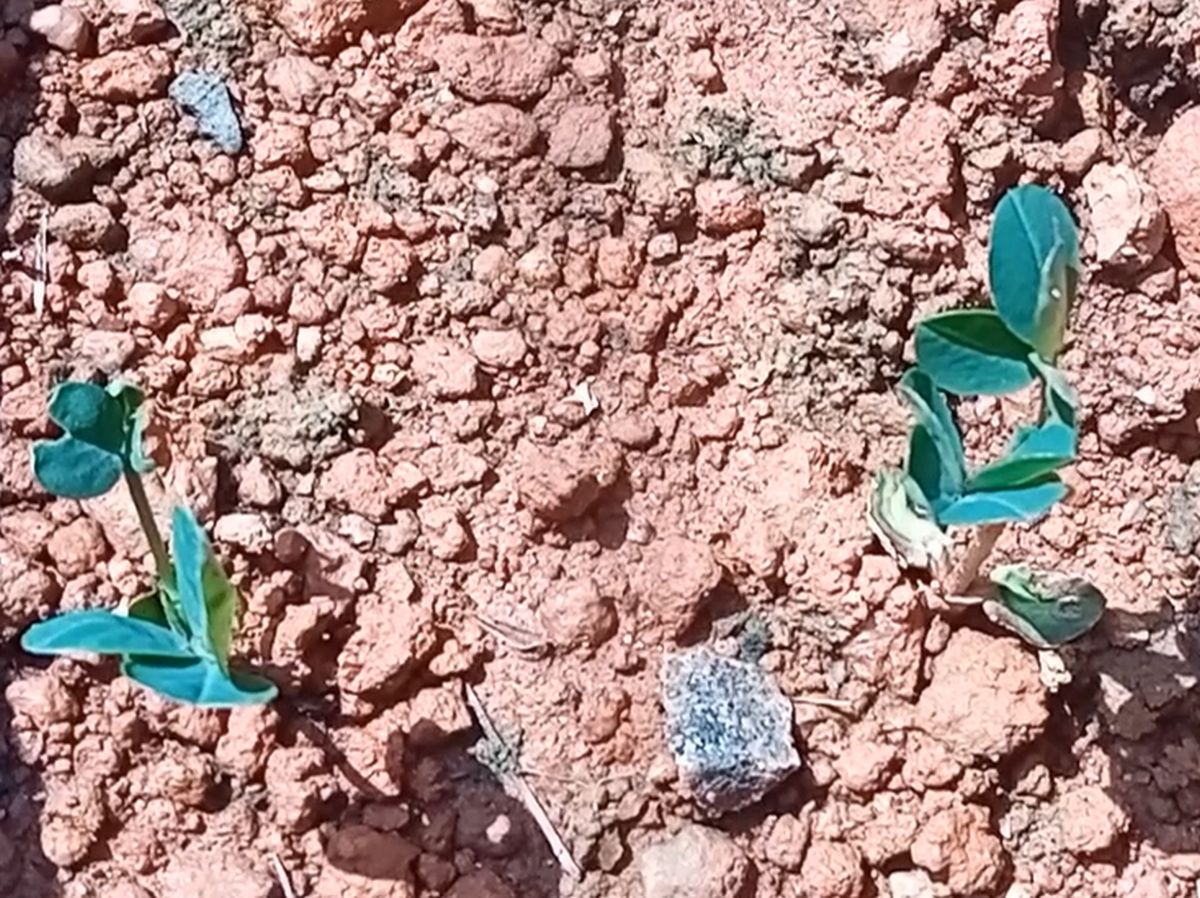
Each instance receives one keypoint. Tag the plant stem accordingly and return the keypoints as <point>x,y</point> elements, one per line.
<point>158,548</point>
<point>978,550</point>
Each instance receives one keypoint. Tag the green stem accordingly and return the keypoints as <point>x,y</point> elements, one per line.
<point>158,548</point>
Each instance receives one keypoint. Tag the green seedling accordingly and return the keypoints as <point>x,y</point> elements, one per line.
<point>1033,271</point>
<point>176,639</point>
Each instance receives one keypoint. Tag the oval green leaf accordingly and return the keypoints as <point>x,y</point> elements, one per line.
<point>1036,452</point>
<point>1045,608</point>
<point>929,472</point>
<point>90,414</point>
<point>190,551</point>
<point>1018,504</point>
<point>104,633</point>
<point>200,682</point>
<point>971,352</point>
<point>103,437</point>
<point>73,469</point>
<point>132,402</point>
<point>206,598</point>
<point>220,598</point>
<point>1059,400</point>
<point>1033,266</point>
<point>933,414</point>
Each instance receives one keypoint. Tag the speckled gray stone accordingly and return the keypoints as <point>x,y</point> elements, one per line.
<point>204,96</point>
<point>729,727</point>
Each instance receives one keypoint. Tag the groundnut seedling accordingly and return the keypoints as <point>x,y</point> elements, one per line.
<point>1033,272</point>
<point>175,639</point>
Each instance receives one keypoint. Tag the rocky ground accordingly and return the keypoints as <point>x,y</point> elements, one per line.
<point>525,345</point>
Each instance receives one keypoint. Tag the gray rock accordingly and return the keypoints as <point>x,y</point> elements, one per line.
<point>205,96</point>
<point>729,727</point>
<point>1183,513</point>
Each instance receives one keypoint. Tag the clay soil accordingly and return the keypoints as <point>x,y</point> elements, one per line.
<point>525,342</point>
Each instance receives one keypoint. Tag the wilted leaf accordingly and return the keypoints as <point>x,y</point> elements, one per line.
<point>903,522</point>
<point>1045,608</point>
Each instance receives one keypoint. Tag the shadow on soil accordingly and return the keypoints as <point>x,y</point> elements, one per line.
<point>1136,700</point>
<point>447,820</point>
<point>19,96</point>
<point>25,871</point>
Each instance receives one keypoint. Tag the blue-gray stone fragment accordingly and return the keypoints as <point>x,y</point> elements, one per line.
<point>205,97</point>
<point>729,727</point>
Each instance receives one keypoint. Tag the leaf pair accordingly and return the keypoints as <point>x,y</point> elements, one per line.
<point>175,641</point>
<point>1033,271</point>
<point>1021,486</point>
<point>102,439</point>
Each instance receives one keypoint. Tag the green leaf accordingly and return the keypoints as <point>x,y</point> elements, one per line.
<point>1036,452</point>
<point>1033,266</point>
<point>933,414</point>
<point>133,401</point>
<point>970,352</point>
<point>89,413</point>
<point>1042,449</point>
<point>1059,399</point>
<point>104,633</point>
<point>200,681</point>
<point>928,471</point>
<point>903,522</point>
<point>1018,504</point>
<point>190,551</point>
<point>206,599</point>
<point>1044,608</point>
<point>73,469</point>
<point>103,437</point>
<point>162,607</point>
<point>138,460</point>
<point>221,600</point>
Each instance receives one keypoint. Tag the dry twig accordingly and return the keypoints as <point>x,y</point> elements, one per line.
<point>845,706</point>
<point>514,783</point>
<point>285,881</point>
<point>41,266</point>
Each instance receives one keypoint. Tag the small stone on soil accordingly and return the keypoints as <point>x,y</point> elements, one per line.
<point>729,727</point>
<point>696,862</point>
<point>205,96</point>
